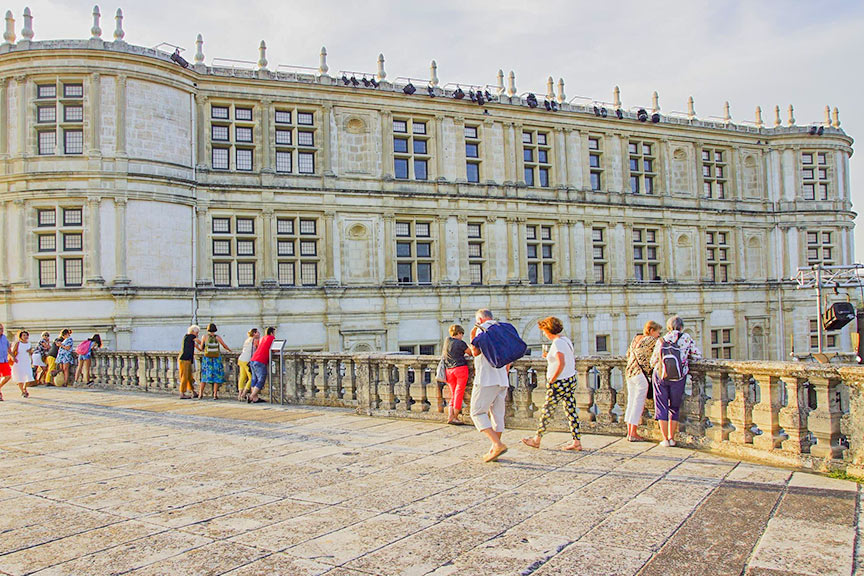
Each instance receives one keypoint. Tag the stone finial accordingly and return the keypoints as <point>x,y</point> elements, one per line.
<point>9,34</point>
<point>322,62</point>
<point>836,122</point>
<point>550,89</point>
<point>691,108</point>
<point>199,50</point>
<point>777,121</point>
<point>500,89</point>
<point>727,114</point>
<point>27,31</point>
<point>119,34</point>
<point>511,84</point>
<point>561,96</point>
<point>655,103</point>
<point>381,74</point>
<point>827,116</point>
<point>616,97</point>
<point>791,118</point>
<point>759,123</point>
<point>96,31</point>
<point>433,74</point>
<point>262,56</point>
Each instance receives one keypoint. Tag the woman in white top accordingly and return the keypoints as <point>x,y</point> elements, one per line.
<point>22,369</point>
<point>560,382</point>
<point>244,382</point>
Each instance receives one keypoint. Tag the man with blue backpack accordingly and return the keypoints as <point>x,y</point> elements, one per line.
<point>671,363</point>
<point>494,345</point>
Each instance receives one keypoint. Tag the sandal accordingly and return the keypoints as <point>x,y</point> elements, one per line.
<point>572,448</point>
<point>25,394</point>
<point>531,442</point>
<point>492,456</point>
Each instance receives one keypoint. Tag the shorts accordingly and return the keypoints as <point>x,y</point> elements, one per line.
<point>259,374</point>
<point>5,369</point>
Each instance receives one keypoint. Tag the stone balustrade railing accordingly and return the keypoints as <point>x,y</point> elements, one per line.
<point>793,413</point>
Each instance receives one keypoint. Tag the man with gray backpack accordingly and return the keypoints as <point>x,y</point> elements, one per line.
<point>671,362</point>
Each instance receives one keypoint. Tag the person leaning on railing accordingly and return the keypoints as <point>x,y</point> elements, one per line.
<point>186,362</point>
<point>456,370</point>
<point>638,374</point>
<point>260,365</point>
<point>668,392</point>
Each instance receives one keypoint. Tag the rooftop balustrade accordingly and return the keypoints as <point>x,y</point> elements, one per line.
<point>786,413</point>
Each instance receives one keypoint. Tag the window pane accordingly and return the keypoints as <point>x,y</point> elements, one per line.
<point>471,132</point>
<point>73,271</point>
<point>245,247</point>
<point>286,273</point>
<point>541,139</point>
<point>531,232</point>
<point>283,161</point>
<point>46,91</point>
<point>46,114</point>
<point>544,177</point>
<point>221,247</point>
<point>420,170</point>
<point>547,273</point>
<point>594,161</point>
<point>424,273</point>
<point>306,138</point>
<point>403,249</point>
<point>474,230</point>
<point>47,142</point>
<point>73,242</point>
<point>220,158</point>
<point>219,133</point>
<point>221,274</point>
<point>528,154</point>
<point>283,117</point>
<point>243,159</point>
<point>634,184</point>
<point>245,225</point>
<point>403,273</point>
<point>47,273</point>
<point>420,146</point>
<point>47,243</point>
<point>424,250</point>
<point>73,141</point>
<point>599,273</point>
<point>403,229</point>
<point>400,126</point>
<point>593,144</point>
<point>285,248</point>
<point>595,181</point>
<point>308,248</point>
<point>245,273</point>
<point>531,251</point>
<point>243,114</point>
<point>306,163</point>
<point>471,150</point>
<point>283,137</point>
<point>221,225</point>
<point>243,134</point>
<point>421,229</point>
<point>73,113</point>
<point>418,127</point>
<point>473,172</point>
<point>527,138</point>
<point>73,90</point>
<point>546,232</point>
<point>475,251</point>
<point>543,156</point>
<point>532,273</point>
<point>529,176</point>
<point>72,217</point>
<point>308,227</point>
<point>475,271</point>
<point>597,234</point>
<point>219,112</point>
<point>309,273</point>
<point>547,251</point>
<point>400,168</point>
<point>284,226</point>
<point>305,118</point>
<point>400,145</point>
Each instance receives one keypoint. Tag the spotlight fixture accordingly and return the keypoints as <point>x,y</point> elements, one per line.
<point>345,80</point>
<point>554,106</point>
<point>480,100</point>
<point>619,113</point>
<point>642,115</point>
<point>366,82</point>
<point>655,118</point>
<point>431,91</point>
<point>812,131</point>
<point>409,89</point>
<point>458,94</point>
<point>354,81</point>
<point>547,105</point>
<point>179,59</point>
<point>821,130</point>
<point>532,100</point>
<point>472,95</point>
<point>374,83</point>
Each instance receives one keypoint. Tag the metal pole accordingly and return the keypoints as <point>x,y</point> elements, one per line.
<point>818,268</point>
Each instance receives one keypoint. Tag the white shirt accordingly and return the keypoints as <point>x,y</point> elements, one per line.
<point>485,374</point>
<point>246,354</point>
<point>563,345</point>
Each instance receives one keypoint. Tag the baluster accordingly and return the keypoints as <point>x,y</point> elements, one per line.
<point>766,414</point>
<point>824,421</point>
<point>352,373</point>
<point>322,380</point>
<point>584,391</point>
<point>417,389</point>
<point>693,405</point>
<point>793,416</point>
<point>605,397</point>
<point>311,381</point>
<point>387,386</point>
<point>717,407</point>
<point>403,390</point>
<point>524,401</point>
<point>433,390</point>
<point>740,410</point>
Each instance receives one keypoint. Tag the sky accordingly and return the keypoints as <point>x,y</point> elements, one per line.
<point>751,53</point>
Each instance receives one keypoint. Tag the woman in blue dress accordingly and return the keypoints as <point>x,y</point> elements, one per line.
<point>64,355</point>
<point>212,369</point>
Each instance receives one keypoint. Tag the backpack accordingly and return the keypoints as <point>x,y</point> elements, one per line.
<point>672,368</point>
<point>84,347</point>
<point>500,344</point>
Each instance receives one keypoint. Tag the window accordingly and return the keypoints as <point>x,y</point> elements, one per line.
<point>49,123</point>
<point>721,343</point>
<point>717,255</point>
<point>297,250</point>
<point>60,243</point>
<point>540,249</point>
<point>642,167</point>
<point>295,141</point>
<point>715,173</point>
<point>411,149</point>
<point>830,340</point>
<point>476,256</point>
<point>472,153</point>
<point>601,343</point>
<point>537,158</point>
<point>599,255</point>
<point>646,259</point>
<point>815,175</point>
<point>233,250</point>
<point>226,136</point>
<point>421,349</point>
<point>595,161</point>
<point>820,248</point>
<point>413,252</point>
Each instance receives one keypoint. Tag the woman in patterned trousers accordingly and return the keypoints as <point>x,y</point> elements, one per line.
<point>561,383</point>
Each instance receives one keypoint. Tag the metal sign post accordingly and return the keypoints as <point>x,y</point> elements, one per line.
<point>277,347</point>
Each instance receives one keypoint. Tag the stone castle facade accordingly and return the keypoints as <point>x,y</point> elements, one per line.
<point>138,195</point>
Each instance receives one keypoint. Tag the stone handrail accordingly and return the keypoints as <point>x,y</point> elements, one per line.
<point>788,413</point>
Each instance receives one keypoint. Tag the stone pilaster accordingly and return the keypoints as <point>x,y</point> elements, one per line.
<point>122,274</point>
<point>268,252</point>
<point>329,249</point>
<point>93,242</point>
<point>121,115</point>
<point>389,252</point>
<point>94,116</point>
<point>205,271</point>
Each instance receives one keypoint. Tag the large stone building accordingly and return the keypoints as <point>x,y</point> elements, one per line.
<point>138,195</point>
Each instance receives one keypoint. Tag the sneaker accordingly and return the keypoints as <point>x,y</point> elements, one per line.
<point>672,443</point>
<point>665,443</point>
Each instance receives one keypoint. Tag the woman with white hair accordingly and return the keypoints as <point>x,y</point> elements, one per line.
<point>671,363</point>
<point>186,360</point>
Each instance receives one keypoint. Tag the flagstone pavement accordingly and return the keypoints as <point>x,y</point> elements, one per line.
<point>95,482</point>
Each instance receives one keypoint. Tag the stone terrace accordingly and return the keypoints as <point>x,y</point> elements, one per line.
<point>95,482</point>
